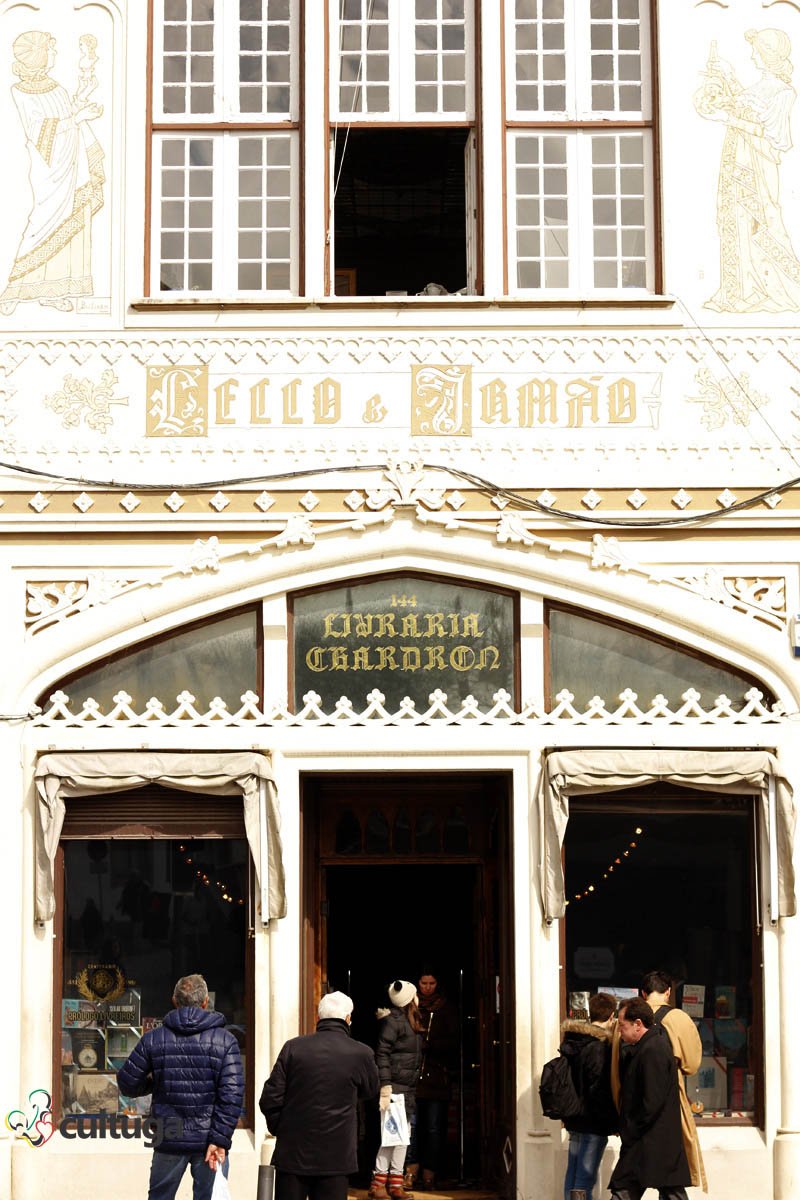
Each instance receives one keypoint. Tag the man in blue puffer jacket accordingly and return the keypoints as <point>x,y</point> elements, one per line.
<point>192,1067</point>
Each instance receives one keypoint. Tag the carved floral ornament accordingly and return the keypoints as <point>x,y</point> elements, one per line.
<point>409,489</point>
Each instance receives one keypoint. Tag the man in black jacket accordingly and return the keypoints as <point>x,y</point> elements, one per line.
<point>652,1154</point>
<point>310,1102</point>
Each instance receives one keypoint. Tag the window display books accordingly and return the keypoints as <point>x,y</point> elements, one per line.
<point>694,999</point>
<point>82,1014</point>
<point>96,1093</point>
<point>709,1086</point>
<point>579,1006</point>
<point>126,1010</point>
<point>120,1040</point>
<point>724,1002</point>
<point>66,1049</point>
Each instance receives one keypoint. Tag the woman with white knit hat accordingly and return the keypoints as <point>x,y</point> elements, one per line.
<point>398,1059</point>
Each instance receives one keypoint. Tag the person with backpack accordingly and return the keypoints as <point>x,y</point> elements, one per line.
<point>586,1105</point>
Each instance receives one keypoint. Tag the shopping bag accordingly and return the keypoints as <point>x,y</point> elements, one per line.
<point>220,1191</point>
<point>394,1122</point>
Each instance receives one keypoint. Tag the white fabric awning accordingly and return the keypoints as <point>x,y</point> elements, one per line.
<point>750,772</point>
<point>60,776</point>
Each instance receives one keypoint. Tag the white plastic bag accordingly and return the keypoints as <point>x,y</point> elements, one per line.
<point>394,1122</point>
<point>220,1191</point>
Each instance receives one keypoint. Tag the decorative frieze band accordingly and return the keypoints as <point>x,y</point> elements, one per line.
<point>346,714</point>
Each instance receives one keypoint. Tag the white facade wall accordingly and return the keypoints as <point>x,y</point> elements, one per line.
<point>665,407</point>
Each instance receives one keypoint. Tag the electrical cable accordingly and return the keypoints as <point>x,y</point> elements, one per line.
<point>486,486</point>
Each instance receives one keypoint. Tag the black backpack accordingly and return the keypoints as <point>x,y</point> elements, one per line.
<point>560,1100</point>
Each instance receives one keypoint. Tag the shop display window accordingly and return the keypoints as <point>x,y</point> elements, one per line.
<point>137,914</point>
<point>662,881</point>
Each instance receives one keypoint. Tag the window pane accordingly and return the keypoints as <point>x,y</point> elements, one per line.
<point>623,657</point>
<point>539,42</point>
<point>218,658</point>
<point>138,915</point>
<point>265,57</point>
<point>542,211</point>
<point>187,54</point>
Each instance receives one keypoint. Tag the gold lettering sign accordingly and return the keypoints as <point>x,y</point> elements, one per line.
<point>177,402</point>
<point>403,640</point>
<point>441,401</point>
<point>183,402</point>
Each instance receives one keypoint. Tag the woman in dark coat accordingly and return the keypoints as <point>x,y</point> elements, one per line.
<point>398,1058</point>
<point>652,1154</point>
<point>587,1045</point>
<point>439,1045</point>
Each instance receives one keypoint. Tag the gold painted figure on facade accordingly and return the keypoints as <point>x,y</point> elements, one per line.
<point>759,270</point>
<point>53,261</point>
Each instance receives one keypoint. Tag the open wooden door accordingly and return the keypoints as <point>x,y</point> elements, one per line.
<point>498,1101</point>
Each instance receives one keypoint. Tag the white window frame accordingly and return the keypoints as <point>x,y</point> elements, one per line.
<point>225,224</point>
<point>578,86</point>
<point>226,70</point>
<point>580,258</point>
<point>402,75</point>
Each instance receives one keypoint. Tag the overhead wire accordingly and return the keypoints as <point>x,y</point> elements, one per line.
<point>479,482</point>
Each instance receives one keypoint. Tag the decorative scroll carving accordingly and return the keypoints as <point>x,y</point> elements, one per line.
<point>626,713</point>
<point>82,400</point>
<point>762,598</point>
<point>725,400</point>
<point>51,601</point>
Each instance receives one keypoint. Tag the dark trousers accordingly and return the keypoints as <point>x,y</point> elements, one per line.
<point>676,1193</point>
<point>310,1187</point>
<point>429,1135</point>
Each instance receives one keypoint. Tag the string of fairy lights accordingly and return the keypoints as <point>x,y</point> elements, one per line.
<point>618,861</point>
<point>206,881</point>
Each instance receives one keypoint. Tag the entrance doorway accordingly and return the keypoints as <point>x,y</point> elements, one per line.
<point>411,872</point>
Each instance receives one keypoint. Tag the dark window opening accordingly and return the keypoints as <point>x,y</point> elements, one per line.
<point>400,213</point>
<point>668,885</point>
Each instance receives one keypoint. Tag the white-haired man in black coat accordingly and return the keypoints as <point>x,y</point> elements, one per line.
<point>310,1104</point>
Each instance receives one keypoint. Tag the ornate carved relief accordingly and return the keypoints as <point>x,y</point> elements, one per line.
<point>51,601</point>
<point>409,490</point>
<point>759,271</point>
<point>346,714</point>
<point>732,399</point>
<point>54,254</point>
<point>82,400</point>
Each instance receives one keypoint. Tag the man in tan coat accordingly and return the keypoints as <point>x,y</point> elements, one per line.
<point>656,988</point>
<point>686,1046</point>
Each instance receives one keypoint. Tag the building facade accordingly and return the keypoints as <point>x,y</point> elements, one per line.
<point>399,498</point>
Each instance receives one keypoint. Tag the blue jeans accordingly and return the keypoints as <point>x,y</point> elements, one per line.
<point>583,1163</point>
<point>167,1171</point>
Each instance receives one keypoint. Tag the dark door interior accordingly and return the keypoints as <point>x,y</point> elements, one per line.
<point>406,876</point>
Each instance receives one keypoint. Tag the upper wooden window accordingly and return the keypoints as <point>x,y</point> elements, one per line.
<point>581,192</point>
<point>224,152</point>
<point>225,61</point>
